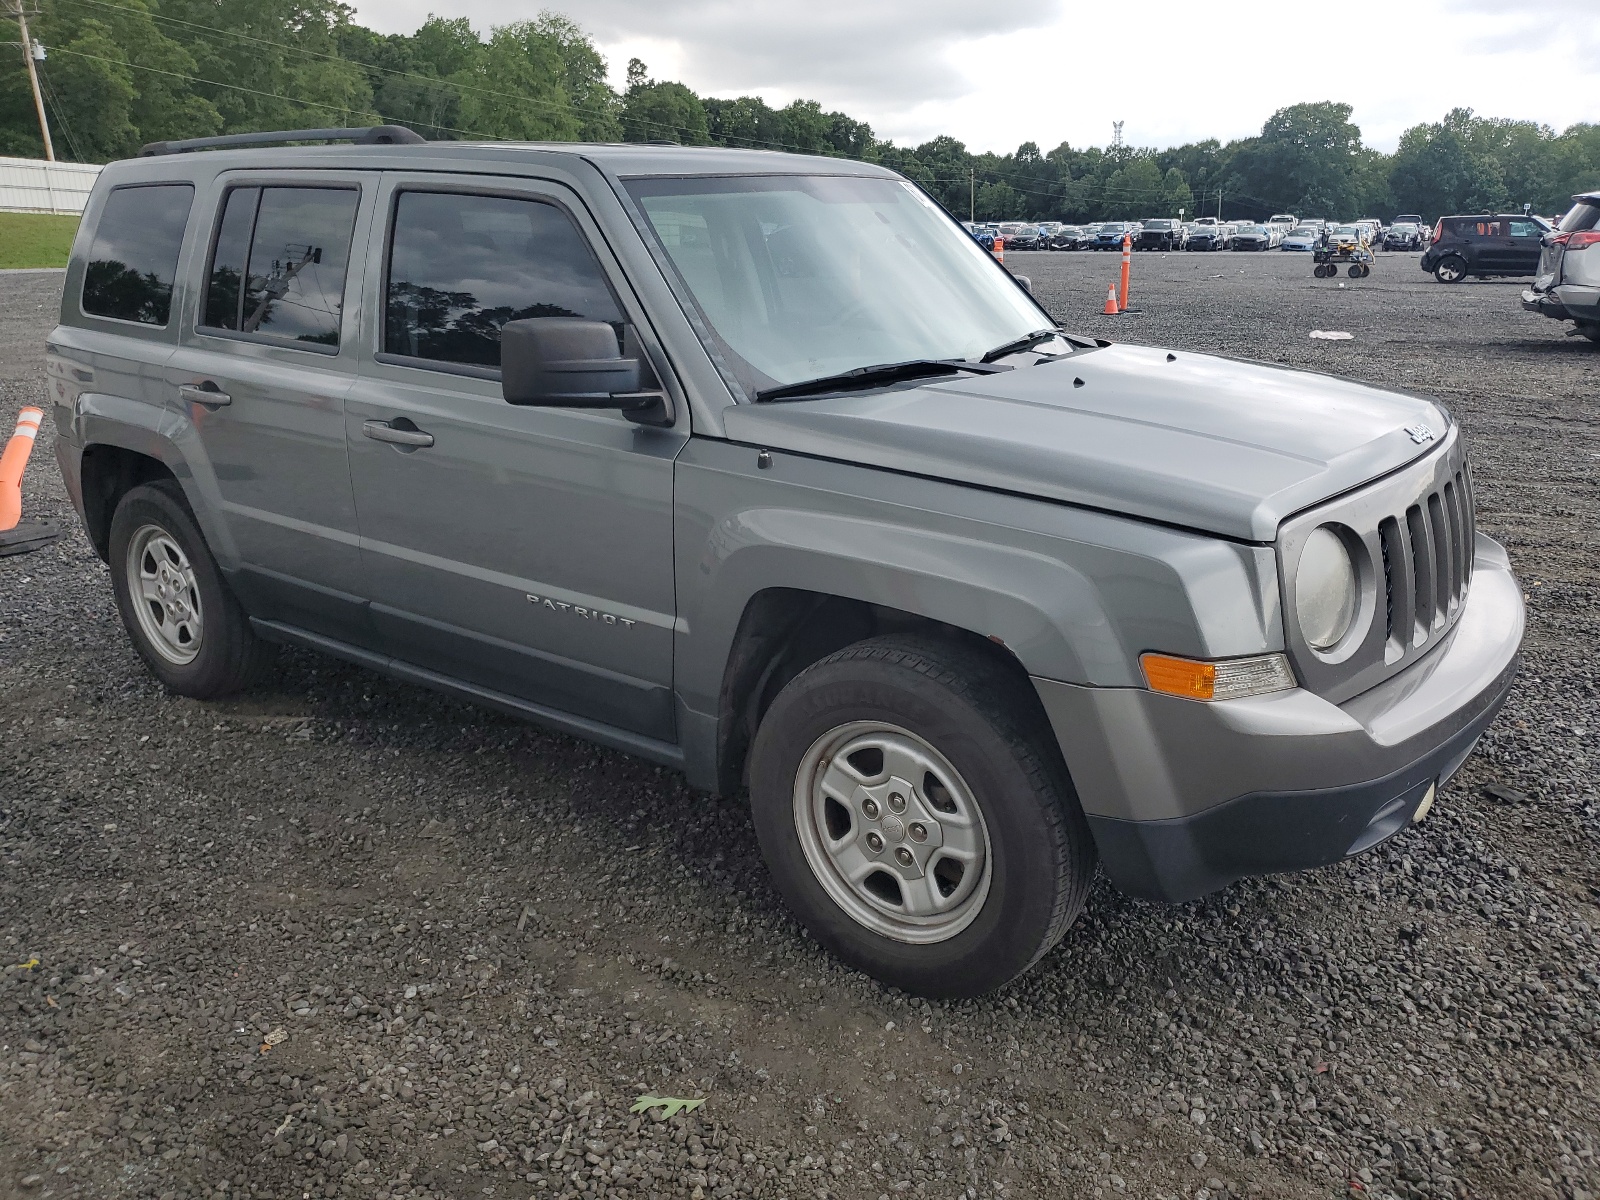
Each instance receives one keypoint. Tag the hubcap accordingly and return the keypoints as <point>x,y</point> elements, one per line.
<point>165,596</point>
<point>892,832</point>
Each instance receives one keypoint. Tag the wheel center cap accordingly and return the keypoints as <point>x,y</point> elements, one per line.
<point>894,828</point>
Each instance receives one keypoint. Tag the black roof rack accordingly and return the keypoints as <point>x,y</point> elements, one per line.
<point>376,135</point>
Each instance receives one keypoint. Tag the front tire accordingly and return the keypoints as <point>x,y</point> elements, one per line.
<point>917,817</point>
<point>180,615</point>
<point>1452,268</point>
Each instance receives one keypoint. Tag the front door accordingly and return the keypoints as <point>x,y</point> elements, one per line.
<point>525,550</point>
<point>263,368</point>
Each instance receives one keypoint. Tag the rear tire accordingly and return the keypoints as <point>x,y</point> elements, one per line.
<point>181,617</point>
<point>916,815</point>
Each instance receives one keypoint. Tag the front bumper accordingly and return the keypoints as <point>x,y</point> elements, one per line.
<point>1185,798</point>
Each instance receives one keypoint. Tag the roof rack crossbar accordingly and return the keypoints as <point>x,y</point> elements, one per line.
<point>375,135</point>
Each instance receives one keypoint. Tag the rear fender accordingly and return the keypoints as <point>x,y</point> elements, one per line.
<point>107,420</point>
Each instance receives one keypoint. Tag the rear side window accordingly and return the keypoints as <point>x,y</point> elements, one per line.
<point>461,266</point>
<point>134,257</point>
<point>278,267</point>
<point>1585,214</point>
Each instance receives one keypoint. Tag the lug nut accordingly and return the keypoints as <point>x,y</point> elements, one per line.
<point>919,831</point>
<point>904,857</point>
<point>869,809</point>
<point>897,802</point>
<point>874,843</point>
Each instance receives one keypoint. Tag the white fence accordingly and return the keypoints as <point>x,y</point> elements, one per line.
<point>36,186</point>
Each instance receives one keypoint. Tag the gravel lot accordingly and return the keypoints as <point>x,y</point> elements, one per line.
<point>472,944</point>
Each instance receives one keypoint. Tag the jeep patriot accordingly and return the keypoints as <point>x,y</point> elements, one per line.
<point>757,466</point>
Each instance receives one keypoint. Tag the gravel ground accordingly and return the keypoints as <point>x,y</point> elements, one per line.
<point>343,937</point>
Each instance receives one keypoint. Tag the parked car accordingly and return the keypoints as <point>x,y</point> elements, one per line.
<point>1286,223</point>
<point>1567,286</point>
<point>1111,233</point>
<point>1018,235</point>
<point>1160,234</point>
<point>1411,219</point>
<point>1207,233</point>
<point>1484,245</point>
<point>1402,236</point>
<point>902,580</point>
<point>1067,237</point>
<point>1306,237</point>
<point>1251,237</point>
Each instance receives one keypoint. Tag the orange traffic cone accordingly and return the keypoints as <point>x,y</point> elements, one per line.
<point>18,536</point>
<point>12,463</point>
<point>999,248</point>
<point>1111,309</point>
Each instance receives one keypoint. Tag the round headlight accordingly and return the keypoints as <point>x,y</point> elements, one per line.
<point>1325,589</point>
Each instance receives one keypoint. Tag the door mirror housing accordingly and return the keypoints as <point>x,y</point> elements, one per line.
<point>567,363</point>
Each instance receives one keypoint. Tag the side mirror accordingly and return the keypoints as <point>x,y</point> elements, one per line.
<point>1027,284</point>
<point>564,362</point>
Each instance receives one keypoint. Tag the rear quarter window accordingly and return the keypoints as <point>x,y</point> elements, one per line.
<point>133,259</point>
<point>1585,214</point>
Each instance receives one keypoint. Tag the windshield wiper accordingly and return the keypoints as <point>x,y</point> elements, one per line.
<point>875,376</point>
<point>1018,345</point>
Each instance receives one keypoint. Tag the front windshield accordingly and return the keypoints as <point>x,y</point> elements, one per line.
<point>1346,231</point>
<point>802,276</point>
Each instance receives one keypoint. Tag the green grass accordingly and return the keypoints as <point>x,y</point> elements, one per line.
<point>35,239</point>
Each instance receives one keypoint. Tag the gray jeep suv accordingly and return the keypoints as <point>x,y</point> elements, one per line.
<point>757,466</point>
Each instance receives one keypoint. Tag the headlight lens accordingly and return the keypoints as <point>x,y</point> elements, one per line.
<point>1325,589</point>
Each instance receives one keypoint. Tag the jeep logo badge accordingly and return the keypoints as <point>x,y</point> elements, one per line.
<point>1420,433</point>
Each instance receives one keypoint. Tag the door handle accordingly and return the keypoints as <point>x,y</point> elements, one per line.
<point>205,392</point>
<point>382,431</point>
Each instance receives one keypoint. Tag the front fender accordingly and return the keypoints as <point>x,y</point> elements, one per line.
<point>1076,595</point>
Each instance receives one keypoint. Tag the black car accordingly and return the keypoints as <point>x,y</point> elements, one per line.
<point>1402,235</point>
<point>1160,235</point>
<point>1484,245</point>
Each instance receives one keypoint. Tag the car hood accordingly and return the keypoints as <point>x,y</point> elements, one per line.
<point>1216,444</point>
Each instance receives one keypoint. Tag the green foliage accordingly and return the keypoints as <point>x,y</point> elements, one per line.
<point>35,239</point>
<point>662,112</point>
<point>124,72</point>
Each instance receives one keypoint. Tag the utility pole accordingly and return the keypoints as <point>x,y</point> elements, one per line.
<point>972,195</point>
<point>33,75</point>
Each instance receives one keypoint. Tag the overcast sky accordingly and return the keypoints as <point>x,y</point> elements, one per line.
<point>1053,70</point>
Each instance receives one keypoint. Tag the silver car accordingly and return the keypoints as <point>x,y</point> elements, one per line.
<point>758,467</point>
<point>1567,286</point>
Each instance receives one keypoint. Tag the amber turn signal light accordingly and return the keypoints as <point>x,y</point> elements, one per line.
<point>1224,679</point>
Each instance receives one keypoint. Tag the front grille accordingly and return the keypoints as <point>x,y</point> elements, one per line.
<point>1427,563</point>
<point>1415,530</point>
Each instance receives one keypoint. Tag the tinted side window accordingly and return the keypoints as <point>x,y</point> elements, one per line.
<point>224,296</point>
<point>134,257</point>
<point>279,264</point>
<point>461,266</point>
<point>1525,229</point>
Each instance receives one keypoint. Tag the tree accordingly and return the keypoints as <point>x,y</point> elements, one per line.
<point>657,112</point>
<point>1304,161</point>
<point>1436,171</point>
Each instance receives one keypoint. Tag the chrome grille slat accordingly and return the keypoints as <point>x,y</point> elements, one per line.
<point>1443,552</point>
<point>1421,574</point>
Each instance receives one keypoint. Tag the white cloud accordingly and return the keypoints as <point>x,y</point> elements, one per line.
<point>1053,70</point>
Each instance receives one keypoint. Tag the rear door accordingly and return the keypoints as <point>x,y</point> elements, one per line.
<point>265,361</point>
<point>525,550</point>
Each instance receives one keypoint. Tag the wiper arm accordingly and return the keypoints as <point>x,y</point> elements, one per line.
<point>874,376</point>
<point>1017,346</point>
